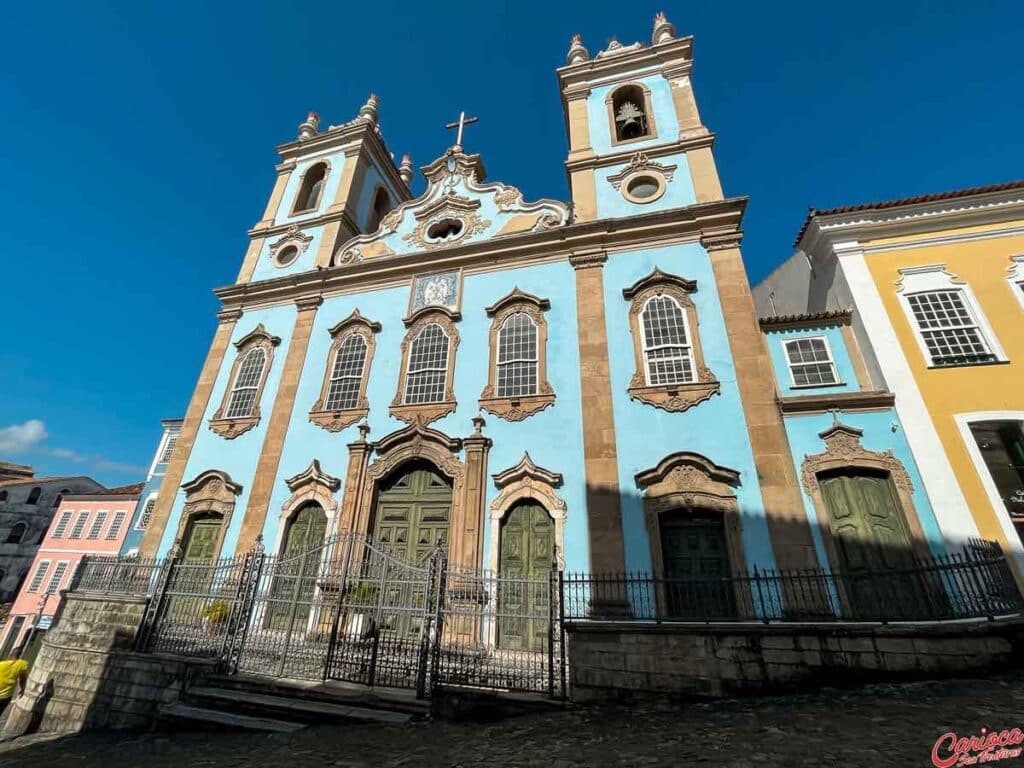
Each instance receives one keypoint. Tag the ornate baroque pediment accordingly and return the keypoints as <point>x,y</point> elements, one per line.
<point>689,479</point>
<point>843,449</point>
<point>456,209</point>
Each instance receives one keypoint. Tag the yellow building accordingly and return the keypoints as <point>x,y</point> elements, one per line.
<point>936,283</point>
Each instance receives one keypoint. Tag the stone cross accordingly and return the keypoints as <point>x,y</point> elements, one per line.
<point>461,123</point>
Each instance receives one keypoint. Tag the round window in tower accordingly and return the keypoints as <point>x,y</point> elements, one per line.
<point>286,256</point>
<point>644,188</point>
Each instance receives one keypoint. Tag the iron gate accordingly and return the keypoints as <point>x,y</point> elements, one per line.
<point>350,610</point>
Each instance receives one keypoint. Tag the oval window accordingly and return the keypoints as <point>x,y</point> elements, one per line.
<point>287,255</point>
<point>643,187</point>
<point>445,229</point>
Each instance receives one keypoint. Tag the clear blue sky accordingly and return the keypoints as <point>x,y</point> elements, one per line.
<point>140,148</point>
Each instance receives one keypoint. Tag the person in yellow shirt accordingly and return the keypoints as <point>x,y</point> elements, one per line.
<point>13,674</point>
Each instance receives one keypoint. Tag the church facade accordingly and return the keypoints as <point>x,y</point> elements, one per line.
<point>528,382</point>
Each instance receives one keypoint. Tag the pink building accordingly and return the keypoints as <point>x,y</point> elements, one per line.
<point>84,524</point>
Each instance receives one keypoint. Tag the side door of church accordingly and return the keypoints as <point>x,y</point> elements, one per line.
<point>524,568</point>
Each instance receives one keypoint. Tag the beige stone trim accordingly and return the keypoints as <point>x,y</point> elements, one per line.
<point>652,127</point>
<point>310,485</point>
<point>684,145</point>
<point>284,172</point>
<point>211,492</point>
<point>252,257</point>
<point>189,429</point>
<point>704,174</point>
<point>780,493</point>
<point>353,325</point>
<point>277,428</point>
<point>578,123</point>
<point>669,397</point>
<point>685,103</point>
<point>648,230</point>
<point>230,428</point>
<point>860,368</point>
<point>526,482</point>
<point>424,413</point>
<point>600,463</point>
<point>523,406</point>
<point>584,195</point>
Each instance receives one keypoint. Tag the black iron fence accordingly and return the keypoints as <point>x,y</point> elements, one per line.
<point>974,583</point>
<point>118,575</point>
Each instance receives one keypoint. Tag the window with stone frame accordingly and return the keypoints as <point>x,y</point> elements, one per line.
<point>57,577</point>
<point>62,524</point>
<point>630,115</point>
<point>239,410</point>
<point>311,188</point>
<point>517,385</point>
<point>17,533</point>
<point>147,514</point>
<point>342,399</point>
<point>949,329</point>
<point>97,525</point>
<point>670,372</point>
<point>115,524</point>
<point>810,362</point>
<point>426,380</point>
<point>79,527</point>
<point>38,576</point>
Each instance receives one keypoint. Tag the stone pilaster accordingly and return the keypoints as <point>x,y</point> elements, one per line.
<point>604,510</point>
<point>352,518</point>
<point>467,533</point>
<point>190,427</point>
<point>277,427</point>
<point>780,492</point>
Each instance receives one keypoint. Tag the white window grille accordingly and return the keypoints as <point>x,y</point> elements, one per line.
<point>57,577</point>
<point>517,356</point>
<point>115,526</point>
<point>168,449</point>
<point>810,362</point>
<point>147,513</point>
<point>668,352</point>
<point>38,576</point>
<point>76,531</point>
<point>428,366</point>
<point>97,525</point>
<point>346,374</point>
<point>62,525</point>
<point>950,331</point>
<point>247,382</point>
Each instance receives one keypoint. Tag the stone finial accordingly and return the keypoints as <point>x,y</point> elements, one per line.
<point>308,128</point>
<point>664,30</point>
<point>577,53</point>
<point>364,430</point>
<point>405,169</point>
<point>478,424</point>
<point>368,111</point>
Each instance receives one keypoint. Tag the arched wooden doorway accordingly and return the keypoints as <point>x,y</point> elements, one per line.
<point>413,510</point>
<point>695,559</point>
<point>527,553</point>
<point>298,567</point>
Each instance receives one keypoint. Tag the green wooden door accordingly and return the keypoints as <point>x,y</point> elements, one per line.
<point>291,591</point>
<point>871,537</point>
<point>527,549</point>
<point>695,558</point>
<point>201,538</point>
<point>412,512</point>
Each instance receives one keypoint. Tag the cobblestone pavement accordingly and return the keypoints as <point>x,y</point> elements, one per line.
<point>878,725</point>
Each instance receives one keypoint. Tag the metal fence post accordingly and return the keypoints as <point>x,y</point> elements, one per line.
<point>342,586</point>
<point>158,602</point>
<point>435,660</point>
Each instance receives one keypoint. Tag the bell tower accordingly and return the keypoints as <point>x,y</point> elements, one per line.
<point>631,109</point>
<point>331,185</point>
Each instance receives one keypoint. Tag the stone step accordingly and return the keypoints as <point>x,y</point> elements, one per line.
<point>293,708</point>
<point>332,692</point>
<point>227,719</point>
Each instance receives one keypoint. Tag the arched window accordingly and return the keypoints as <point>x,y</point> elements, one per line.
<point>379,209</point>
<point>517,384</point>
<point>342,398</point>
<point>667,350</point>
<point>670,371</point>
<point>247,381</point>
<point>428,363</point>
<point>426,387</point>
<point>312,185</point>
<point>33,496</point>
<point>3,495</point>
<point>17,533</point>
<point>346,374</point>
<point>240,408</point>
<point>517,357</point>
<point>631,113</point>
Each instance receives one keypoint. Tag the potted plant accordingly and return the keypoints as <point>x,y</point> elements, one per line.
<point>215,614</point>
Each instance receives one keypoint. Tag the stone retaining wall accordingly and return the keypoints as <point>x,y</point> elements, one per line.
<point>87,676</point>
<point>613,659</point>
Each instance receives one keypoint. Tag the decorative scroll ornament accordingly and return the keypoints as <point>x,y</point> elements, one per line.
<point>640,163</point>
<point>844,449</point>
<point>231,427</point>
<point>294,237</point>
<point>615,48</point>
<point>335,420</point>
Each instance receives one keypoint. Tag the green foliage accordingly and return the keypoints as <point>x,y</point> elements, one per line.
<point>217,611</point>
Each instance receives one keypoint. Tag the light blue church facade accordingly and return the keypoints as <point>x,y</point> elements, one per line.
<point>580,382</point>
